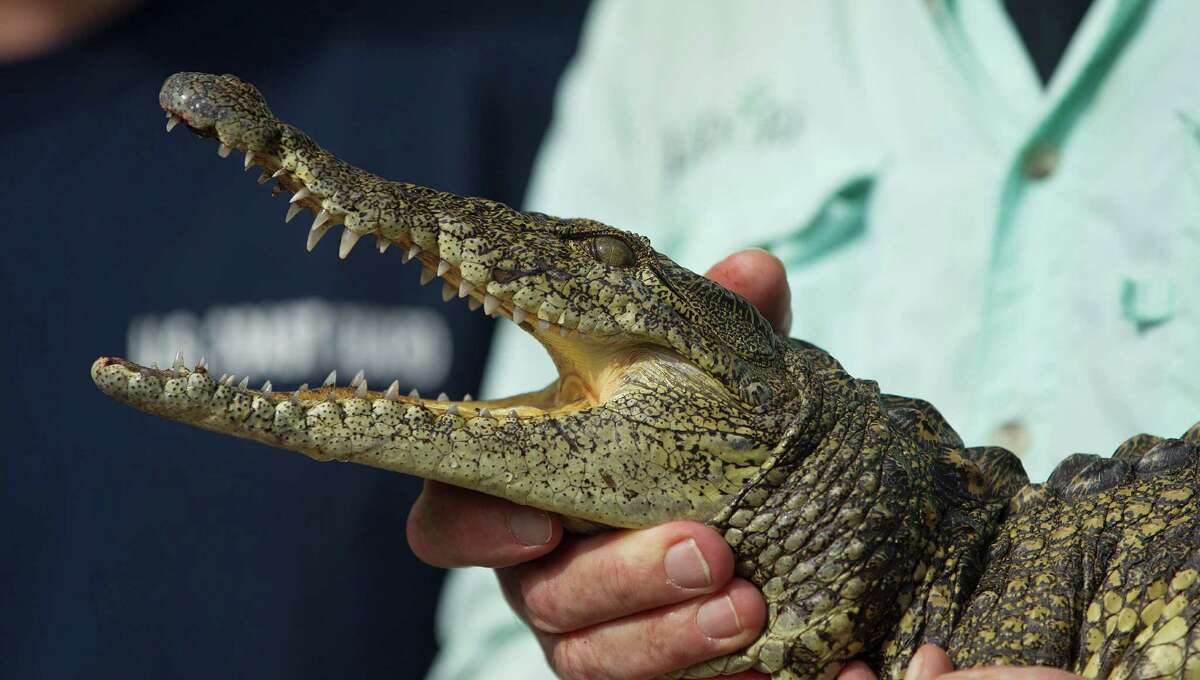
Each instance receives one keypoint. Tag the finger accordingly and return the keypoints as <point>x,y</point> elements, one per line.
<point>761,278</point>
<point>601,578</point>
<point>930,661</point>
<point>663,640</point>
<point>856,670</point>
<point>453,527</point>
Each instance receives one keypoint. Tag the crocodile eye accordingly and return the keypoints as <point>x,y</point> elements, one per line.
<point>612,251</point>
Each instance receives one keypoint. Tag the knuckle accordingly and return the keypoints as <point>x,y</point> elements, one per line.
<point>675,648</point>
<point>543,604</point>
<point>617,583</point>
<point>573,657</point>
<point>510,587</point>
<point>655,645</point>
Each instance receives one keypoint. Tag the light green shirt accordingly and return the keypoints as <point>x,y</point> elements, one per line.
<point>1025,258</point>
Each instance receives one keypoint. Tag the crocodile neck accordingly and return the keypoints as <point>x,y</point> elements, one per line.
<point>849,567</point>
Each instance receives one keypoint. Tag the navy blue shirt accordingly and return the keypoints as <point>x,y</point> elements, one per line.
<point>138,547</point>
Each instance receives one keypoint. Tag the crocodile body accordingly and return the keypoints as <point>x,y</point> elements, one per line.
<point>867,524</point>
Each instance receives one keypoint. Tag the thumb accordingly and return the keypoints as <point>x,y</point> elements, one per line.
<point>759,277</point>
<point>930,661</point>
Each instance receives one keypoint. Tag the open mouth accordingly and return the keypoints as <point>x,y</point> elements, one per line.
<point>649,419</point>
<point>592,364</point>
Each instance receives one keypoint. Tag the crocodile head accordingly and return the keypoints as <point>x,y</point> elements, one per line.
<point>672,391</point>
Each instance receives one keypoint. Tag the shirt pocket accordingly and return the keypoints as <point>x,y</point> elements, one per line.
<point>1162,302</point>
<point>807,202</point>
<point>839,221</point>
<point>1148,302</point>
<point>804,201</point>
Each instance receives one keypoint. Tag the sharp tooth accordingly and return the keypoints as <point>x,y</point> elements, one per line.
<point>244,383</point>
<point>414,393</point>
<point>473,304</point>
<point>315,235</point>
<point>447,291</point>
<point>221,380</point>
<point>361,391</point>
<point>468,397</point>
<point>382,243</point>
<point>358,377</point>
<point>453,410</point>
<point>300,195</point>
<point>172,121</point>
<point>266,388</point>
<point>543,325</point>
<point>393,391</point>
<point>426,275</point>
<point>302,388</point>
<point>248,160</point>
<point>464,288</point>
<point>321,218</point>
<point>443,397</point>
<point>223,150</point>
<point>485,412</point>
<point>443,267</point>
<point>518,315</point>
<point>263,178</point>
<point>330,380</point>
<point>202,365</point>
<point>349,238</point>
<point>413,251</point>
<point>229,380</point>
<point>293,210</point>
<point>490,303</point>
<point>179,362</point>
<point>278,173</point>
<point>276,190</point>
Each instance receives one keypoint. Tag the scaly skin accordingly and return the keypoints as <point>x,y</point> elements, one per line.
<point>867,524</point>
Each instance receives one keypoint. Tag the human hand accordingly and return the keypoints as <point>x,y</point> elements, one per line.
<point>931,661</point>
<point>624,604</point>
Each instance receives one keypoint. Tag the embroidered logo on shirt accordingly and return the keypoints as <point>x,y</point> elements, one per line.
<point>755,118</point>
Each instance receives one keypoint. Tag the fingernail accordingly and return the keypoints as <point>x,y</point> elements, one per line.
<point>914,666</point>
<point>529,526</point>
<point>760,249</point>
<point>685,565</point>
<point>718,619</point>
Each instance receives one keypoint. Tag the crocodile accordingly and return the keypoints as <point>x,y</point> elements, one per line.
<point>868,525</point>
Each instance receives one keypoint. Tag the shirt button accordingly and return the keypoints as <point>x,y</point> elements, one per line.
<point>1012,435</point>
<point>1040,161</point>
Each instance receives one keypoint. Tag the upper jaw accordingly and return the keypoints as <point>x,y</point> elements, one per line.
<point>588,356</point>
<point>433,219</point>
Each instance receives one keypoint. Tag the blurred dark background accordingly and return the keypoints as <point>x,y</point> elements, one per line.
<point>137,547</point>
